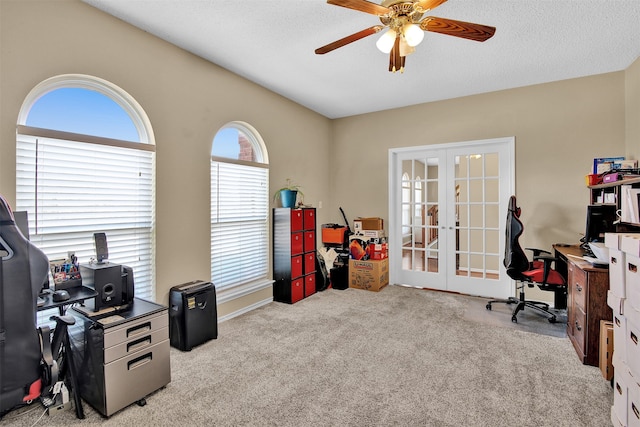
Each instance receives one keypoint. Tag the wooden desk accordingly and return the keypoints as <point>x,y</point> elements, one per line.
<point>586,301</point>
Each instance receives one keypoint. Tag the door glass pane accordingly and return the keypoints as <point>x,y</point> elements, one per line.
<point>477,240</point>
<point>420,206</point>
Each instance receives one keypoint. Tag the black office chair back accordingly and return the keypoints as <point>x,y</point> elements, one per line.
<point>515,259</point>
<point>23,270</point>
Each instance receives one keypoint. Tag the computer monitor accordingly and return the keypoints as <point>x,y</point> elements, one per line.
<point>600,219</point>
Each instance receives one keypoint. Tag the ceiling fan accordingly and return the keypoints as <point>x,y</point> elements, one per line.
<point>406,25</point>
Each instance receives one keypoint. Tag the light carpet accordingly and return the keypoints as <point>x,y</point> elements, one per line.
<point>400,357</point>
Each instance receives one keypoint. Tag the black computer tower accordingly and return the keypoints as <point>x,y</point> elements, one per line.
<point>193,316</point>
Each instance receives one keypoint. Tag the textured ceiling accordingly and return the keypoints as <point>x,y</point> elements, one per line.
<point>272,43</point>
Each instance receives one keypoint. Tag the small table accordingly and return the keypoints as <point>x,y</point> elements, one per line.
<point>76,295</point>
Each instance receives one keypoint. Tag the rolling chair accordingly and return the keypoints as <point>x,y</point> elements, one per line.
<point>29,359</point>
<point>535,273</point>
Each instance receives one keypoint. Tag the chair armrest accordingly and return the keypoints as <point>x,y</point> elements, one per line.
<point>547,260</point>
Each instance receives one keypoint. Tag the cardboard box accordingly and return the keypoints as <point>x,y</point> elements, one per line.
<point>632,347</point>
<point>614,240</point>
<point>617,275</point>
<point>620,337</point>
<point>373,223</point>
<point>621,380</point>
<point>606,349</point>
<point>632,280</point>
<point>369,275</point>
<point>630,244</point>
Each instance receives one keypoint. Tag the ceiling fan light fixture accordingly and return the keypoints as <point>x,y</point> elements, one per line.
<point>385,43</point>
<point>413,34</point>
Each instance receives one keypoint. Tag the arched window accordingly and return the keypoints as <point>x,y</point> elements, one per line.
<point>85,163</point>
<point>239,208</point>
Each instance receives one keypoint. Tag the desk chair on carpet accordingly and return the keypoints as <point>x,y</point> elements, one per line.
<point>535,273</point>
<point>29,359</point>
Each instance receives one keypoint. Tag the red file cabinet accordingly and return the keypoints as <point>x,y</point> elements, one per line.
<point>294,254</point>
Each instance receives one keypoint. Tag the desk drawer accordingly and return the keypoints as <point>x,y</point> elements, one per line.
<point>579,328</point>
<point>131,331</point>
<point>131,378</point>
<point>134,345</point>
<point>578,287</point>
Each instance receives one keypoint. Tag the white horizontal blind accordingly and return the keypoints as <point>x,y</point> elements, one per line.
<point>73,189</point>
<point>239,223</point>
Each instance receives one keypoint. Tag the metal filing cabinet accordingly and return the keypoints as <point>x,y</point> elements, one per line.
<point>121,357</point>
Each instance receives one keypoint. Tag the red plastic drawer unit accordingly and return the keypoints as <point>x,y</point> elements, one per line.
<point>296,243</point>
<point>296,220</point>
<point>309,219</point>
<point>309,241</point>
<point>296,266</point>
<point>309,262</point>
<point>309,284</point>
<point>294,254</point>
<point>297,290</point>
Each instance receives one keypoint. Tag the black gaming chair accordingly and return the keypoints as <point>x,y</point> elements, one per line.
<point>27,372</point>
<point>538,272</point>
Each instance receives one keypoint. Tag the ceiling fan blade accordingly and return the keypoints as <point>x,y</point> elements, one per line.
<point>396,61</point>
<point>349,39</point>
<point>362,6</point>
<point>451,27</point>
<point>426,5</point>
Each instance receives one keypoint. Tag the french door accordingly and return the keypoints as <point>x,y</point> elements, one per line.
<point>447,212</point>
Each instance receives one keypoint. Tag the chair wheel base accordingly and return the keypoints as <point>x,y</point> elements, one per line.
<point>514,319</point>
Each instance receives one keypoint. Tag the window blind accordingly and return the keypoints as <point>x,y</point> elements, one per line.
<point>72,189</point>
<point>239,224</point>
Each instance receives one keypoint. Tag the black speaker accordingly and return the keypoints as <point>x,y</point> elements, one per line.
<point>102,251</point>
<point>106,279</point>
<point>128,289</point>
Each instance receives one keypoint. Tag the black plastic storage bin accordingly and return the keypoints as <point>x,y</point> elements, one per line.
<point>340,277</point>
<point>193,316</point>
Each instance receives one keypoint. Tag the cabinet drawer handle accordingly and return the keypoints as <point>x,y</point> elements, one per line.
<point>578,327</point>
<point>139,329</point>
<point>635,410</point>
<point>632,268</point>
<point>634,338</point>
<point>136,345</point>
<point>578,288</point>
<point>139,361</point>
<point>619,389</point>
<point>613,260</point>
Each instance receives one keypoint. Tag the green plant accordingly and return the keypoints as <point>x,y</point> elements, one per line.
<point>290,186</point>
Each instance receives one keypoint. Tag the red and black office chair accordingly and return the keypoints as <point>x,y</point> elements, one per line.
<point>538,272</point>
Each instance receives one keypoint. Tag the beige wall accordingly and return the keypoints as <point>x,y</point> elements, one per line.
<point>632,110</point>
<point>187,100</point>
<point>559,127</point>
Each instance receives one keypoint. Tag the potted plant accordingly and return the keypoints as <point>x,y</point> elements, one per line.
<point>288,194</point>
